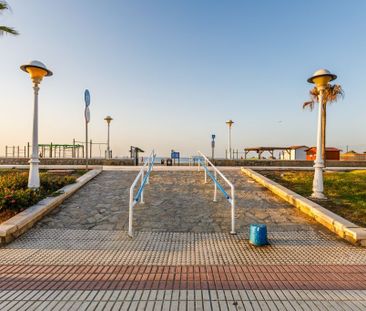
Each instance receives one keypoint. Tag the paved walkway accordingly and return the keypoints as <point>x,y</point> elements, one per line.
<point>182,257</point>
<point>176,201</point>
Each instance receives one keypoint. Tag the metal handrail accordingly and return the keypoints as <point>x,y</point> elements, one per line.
<point>231,199</point>
<point>145,178</point>
<point>216,181</point>
<point>144,181</point>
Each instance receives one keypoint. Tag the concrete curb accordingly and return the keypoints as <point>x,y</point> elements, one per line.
<point>342,227</point>
<point>20,223</point>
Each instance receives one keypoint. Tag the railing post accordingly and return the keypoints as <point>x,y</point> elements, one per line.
<point>130,214</point>
<point>215,191</point>
<point>142,192</point>
<point>206,172</point>
<point>232,210</point>
<point>148,166</point>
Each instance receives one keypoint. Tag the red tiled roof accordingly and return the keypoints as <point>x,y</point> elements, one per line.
<point>326,149</point>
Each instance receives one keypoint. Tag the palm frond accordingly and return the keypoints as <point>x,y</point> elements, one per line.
<point>313,99</point>
<point>309,104</point>
<point>333,93</point>
<point>8,30</point>
<point>4,6</point>
<point>4,29</point>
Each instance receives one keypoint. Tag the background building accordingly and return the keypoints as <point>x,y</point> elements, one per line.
<point>294,153</point>
<point>331,153</point>
<point>353,156</point>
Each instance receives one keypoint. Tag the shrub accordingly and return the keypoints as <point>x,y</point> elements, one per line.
<point>15,195</point>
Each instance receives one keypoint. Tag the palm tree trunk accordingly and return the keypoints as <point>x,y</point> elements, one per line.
<point>324,128</point>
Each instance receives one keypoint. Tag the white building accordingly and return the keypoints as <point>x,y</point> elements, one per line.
<point>294,153</point>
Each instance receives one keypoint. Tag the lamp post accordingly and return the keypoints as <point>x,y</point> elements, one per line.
<point>108,119</point>
<point>320,78</point>
<point>87,120</point>
<point>37,71</point>
<point>229,124</point>
<point>213,146</point>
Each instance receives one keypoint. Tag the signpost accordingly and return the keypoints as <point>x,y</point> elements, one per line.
<point>213,146</point>
<point>87,119</point>
<point>175,155</point>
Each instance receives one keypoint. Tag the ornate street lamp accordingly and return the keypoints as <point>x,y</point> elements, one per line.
<point>37,71</point>
<point>229,124</point>
<point>108,119</point>
<point>320,78</point>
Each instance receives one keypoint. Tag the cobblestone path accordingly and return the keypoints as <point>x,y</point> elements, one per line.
<point>175,202</point>
<point>182,256</point>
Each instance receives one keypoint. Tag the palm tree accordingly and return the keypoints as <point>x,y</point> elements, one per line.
<point>4,29</point>
<point>331,94</point>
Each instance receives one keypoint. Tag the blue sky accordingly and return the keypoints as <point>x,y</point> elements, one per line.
<point>171,72</point>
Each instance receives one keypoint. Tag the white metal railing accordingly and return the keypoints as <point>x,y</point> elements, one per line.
<point>139,196</point>
<point>205,162</point>
<point>193,160</point>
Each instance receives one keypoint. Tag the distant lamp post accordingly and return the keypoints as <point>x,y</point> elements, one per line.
<point>229,151</point>
<point>37,71</point>
<point>213,136</point>
<point>108,119</point>
<point>87,120</point>
<point>320,78</point>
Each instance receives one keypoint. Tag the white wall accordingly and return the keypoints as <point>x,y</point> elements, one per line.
<point>295,154</point>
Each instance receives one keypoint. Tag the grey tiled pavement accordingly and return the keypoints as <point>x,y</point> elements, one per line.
<point>96,247</point>
<point>179,226</point>
<point>184,300</point>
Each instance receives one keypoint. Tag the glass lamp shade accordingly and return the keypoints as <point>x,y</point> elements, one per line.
<point>37,70</point>
<point>36,73</point>
<point>322,77</point>
<point>322,80</point>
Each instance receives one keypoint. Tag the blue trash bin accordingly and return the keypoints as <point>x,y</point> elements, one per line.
<point>258,234</point>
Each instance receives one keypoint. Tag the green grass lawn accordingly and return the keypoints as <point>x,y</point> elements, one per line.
<point>346,191</point>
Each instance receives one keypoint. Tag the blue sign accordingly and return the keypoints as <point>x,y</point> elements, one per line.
<point>87,98</point>
<point>175,155</point>
<point>213,136</point>
<point>87,103</point>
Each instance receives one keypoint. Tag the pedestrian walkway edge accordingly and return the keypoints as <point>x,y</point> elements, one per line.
<point>342,227</point>
<point>20,223</point>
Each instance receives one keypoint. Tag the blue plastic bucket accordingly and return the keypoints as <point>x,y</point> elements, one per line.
<point>258,234</point>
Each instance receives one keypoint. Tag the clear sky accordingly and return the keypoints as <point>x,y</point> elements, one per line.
<point>170,73</point>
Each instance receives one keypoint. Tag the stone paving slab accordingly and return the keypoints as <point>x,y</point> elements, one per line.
<point>183,300</point>
<point>96,247</point>
<point>77,260</point>
<point>203,277</point>
<point>176,201</point>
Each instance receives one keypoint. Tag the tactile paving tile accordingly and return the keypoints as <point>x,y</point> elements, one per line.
<point>63,246</point>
